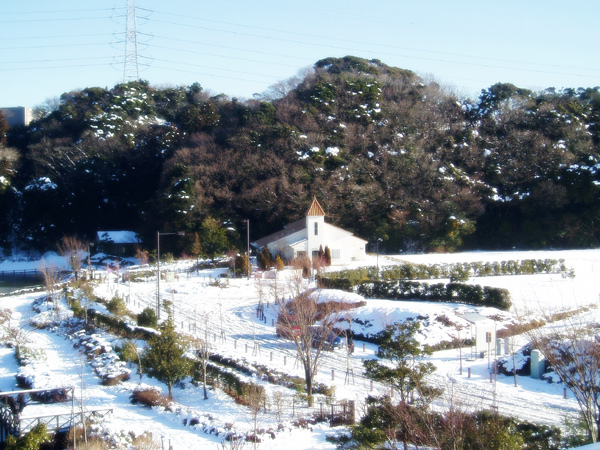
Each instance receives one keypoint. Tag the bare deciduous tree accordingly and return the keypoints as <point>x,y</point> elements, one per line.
<point>73,250</point>
<point>51,277</point>
<point>310,324</point>
<point>202,349</point>
<point>131,352</point>
<point>12,332</point>
<point>254,396</point>
<point>573,351</point>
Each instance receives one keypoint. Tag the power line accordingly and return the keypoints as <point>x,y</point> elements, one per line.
<point>207,44</point>
<point>348,41</point>
<point>56,60</point>
<point>53,67</point>
<point>69,19</point>
<point>237,58</point>
<point>212,67</point>
<point>56,11</point>
<point>55,36</point>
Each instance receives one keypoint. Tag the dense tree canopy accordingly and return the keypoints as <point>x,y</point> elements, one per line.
<point>389,156</point>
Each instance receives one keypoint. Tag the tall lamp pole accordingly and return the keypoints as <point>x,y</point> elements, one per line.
<point>158,235</point>
<point>377,246</point>
<point>248,247</point>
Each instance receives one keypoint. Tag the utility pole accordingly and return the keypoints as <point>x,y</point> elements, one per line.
<point>248,248</point>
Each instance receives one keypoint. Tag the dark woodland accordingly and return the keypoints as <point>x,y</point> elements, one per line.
<point>389,156</point>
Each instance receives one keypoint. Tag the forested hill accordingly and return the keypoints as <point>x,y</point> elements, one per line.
<point>387,154</point>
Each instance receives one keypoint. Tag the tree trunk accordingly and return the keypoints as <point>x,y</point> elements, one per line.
<point>170,386</point>
<point>309,385</point>
<point>204,383</point>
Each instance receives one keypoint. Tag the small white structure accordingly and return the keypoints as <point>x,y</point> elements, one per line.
<point>483,330</point>
<point>306,236</point>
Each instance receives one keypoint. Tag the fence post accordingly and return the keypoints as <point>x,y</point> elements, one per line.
<point>371,385</point>
<point>364,347</point>
<point>271,356</point>
<point>332,374</point>
<point>469,372</point>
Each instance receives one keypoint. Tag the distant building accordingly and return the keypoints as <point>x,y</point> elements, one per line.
<point>18,116</point>
<point>305,236</point>
<point>117,243</point>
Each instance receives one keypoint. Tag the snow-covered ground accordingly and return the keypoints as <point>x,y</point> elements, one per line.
<point>227,309</point>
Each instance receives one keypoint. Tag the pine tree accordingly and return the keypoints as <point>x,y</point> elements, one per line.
<point>165,358</point>
<point>279,264</point>
<point>265,259</point>
<point>327,256</point>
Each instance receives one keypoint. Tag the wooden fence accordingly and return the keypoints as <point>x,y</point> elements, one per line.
<point>12,404</point>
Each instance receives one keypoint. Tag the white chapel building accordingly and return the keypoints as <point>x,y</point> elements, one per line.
<point>305,236</point>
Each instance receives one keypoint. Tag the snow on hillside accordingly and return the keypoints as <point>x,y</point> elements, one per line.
<point>228,308</point>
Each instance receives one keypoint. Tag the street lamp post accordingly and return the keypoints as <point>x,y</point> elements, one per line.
<point>158,235</point>
<point>248,248</point>
<point>377,247</point>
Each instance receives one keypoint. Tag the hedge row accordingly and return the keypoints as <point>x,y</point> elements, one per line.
<point>439,292</point>
<point>474,269</point>
<point>455,272</point>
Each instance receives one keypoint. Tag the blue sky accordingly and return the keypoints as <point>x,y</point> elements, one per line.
<point>241,47</point>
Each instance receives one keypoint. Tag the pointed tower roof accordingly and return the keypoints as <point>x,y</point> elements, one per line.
<point>315,209</point>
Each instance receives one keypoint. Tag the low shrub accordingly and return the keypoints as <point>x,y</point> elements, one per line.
<point>113,380</point>
<point>147,318</point>
<point>30,441</point>
<point>149,398</point>
<point>51,396</point>
<point>117,306</point>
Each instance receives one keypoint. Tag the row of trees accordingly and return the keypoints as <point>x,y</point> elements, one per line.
<point>389,155</point>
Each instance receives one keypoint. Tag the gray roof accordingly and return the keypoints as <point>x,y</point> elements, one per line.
<point>292,228</point>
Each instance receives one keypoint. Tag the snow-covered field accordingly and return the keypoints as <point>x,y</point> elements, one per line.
<point>228,310</point>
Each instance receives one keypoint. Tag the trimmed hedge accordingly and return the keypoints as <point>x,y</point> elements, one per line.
<point>346,279</point>
<point>439,292</point>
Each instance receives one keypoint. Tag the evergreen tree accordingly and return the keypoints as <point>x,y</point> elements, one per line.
<point>165,358</point>
<point>397,343</point>
<point>214,238</point>
<point>265,259</point>
<point>327,255</point>
<point>279,264</point>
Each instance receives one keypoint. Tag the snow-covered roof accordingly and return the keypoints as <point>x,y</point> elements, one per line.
<point>475,318</point>
<point>119,237</point>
